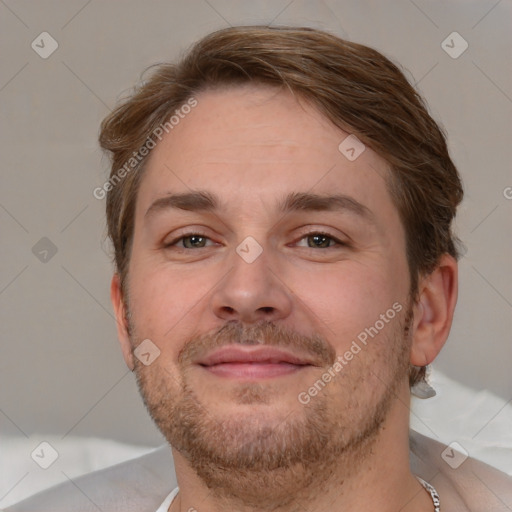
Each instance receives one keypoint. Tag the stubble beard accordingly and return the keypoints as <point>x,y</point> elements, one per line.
<point>269,465</point>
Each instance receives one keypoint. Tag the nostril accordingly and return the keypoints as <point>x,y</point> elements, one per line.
<point>267,309</point>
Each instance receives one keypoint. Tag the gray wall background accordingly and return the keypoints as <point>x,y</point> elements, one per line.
<point>61,371</point>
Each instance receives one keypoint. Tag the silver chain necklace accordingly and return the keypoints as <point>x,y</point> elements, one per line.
<point>433,493</point>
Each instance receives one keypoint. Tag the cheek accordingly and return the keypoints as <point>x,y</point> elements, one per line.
<point>167,304</point>
<point>343,302</point>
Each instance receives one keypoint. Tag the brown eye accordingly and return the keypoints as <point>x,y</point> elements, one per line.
<point>319,241</point>
<point>194,241</point>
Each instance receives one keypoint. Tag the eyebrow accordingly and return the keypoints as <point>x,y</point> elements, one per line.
<point>303,201</point>
<point>295,201</point>
<point>190,201</point>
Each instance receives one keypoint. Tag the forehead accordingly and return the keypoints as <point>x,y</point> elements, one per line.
<point>251,144</point>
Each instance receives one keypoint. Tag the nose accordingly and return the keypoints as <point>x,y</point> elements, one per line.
<point>251,292</point>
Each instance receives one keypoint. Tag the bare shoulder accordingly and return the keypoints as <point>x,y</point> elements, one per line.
<point>463,484</point>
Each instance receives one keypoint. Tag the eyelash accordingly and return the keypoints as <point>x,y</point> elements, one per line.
<point>182,237</point>
<point>337,242</point>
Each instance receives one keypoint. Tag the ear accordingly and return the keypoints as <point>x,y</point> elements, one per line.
<point>433,311</point>
<point>117,298</point>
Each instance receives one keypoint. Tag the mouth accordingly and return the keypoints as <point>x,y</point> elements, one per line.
<point>250,362</point>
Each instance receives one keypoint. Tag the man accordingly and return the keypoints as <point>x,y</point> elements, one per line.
<point>280,205</point>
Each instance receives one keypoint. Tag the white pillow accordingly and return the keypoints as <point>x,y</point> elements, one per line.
<point>22,474</point>
<point>479,421</point>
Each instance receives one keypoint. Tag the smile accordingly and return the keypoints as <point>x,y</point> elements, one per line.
<point>249,362</point>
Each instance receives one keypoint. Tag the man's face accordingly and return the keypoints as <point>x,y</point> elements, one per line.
<point>268,288</point>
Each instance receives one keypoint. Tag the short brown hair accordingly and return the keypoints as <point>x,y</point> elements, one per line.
<point>356,87</point>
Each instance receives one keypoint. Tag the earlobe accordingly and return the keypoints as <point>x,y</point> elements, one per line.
<point>433,311</point>
<point>118,303</point>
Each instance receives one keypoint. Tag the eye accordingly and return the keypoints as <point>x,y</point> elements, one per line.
<point>319,241</point>
<point>190,241</point>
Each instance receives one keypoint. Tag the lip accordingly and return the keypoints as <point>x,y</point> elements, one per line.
<point>250,362</point>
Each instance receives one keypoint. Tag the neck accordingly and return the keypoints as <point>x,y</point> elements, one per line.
<point>374,476</point>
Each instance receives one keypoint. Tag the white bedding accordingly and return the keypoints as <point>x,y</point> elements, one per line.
<point>479,421</point>
<point>21,477</point>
